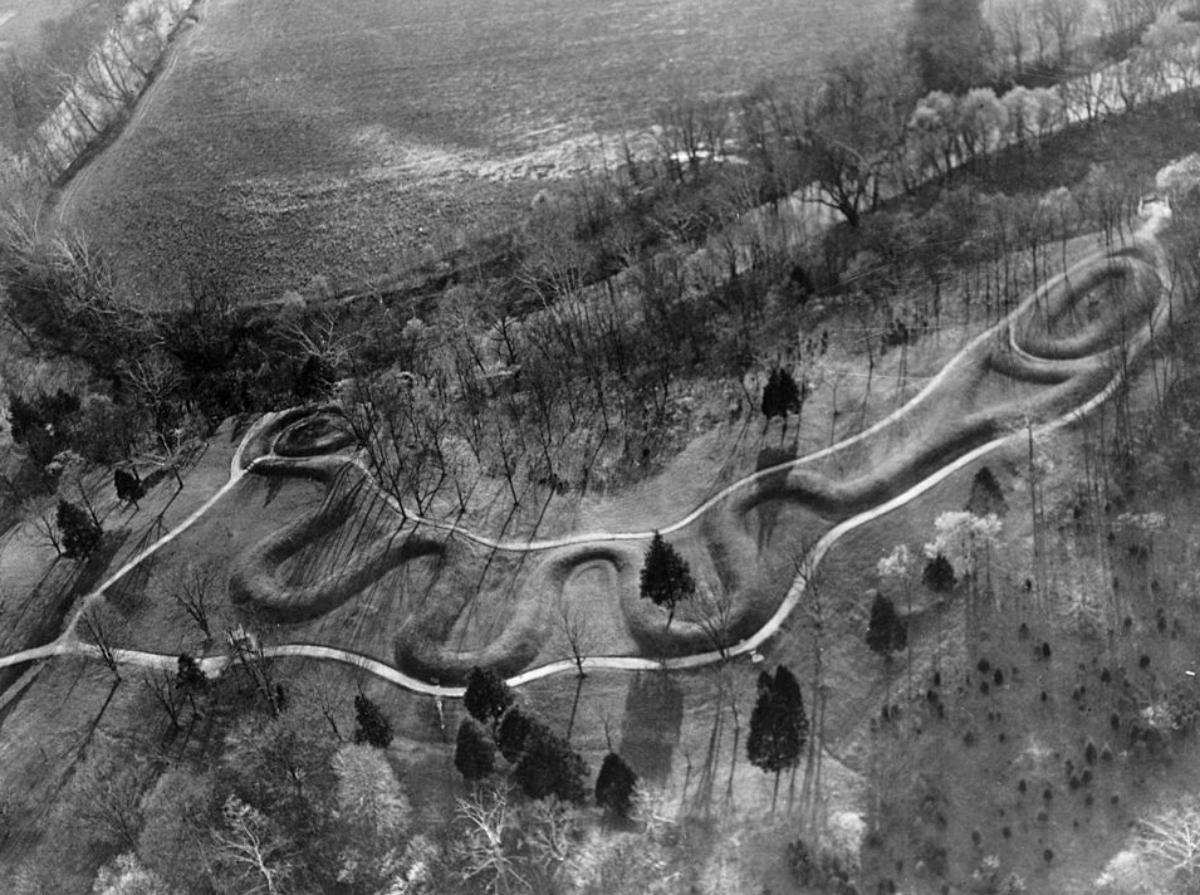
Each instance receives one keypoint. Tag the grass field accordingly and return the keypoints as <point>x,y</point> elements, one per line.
<point>21,20</point>
<point>288,140</point>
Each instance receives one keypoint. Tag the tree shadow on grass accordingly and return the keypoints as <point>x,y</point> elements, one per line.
<point>767,512</point>
<point>651,725</point>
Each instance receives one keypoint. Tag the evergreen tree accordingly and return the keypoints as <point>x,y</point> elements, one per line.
<point>190,679</point>
<point>550,767</point>
<point>372,727</point>
<point>474,753</point>
<point>666,579</point>
<point>23,418</point>
<point>80,533</point>
<point>939,575</point>
<point>128,486</point>
<point>986,496</point>
<point>314,379</point>
<point>778,726</point>
<point>886,631</point>
<point>615,786</point>
<point>781,395</point>
<point>787,690</point>
<point>512,734</point>
<point>487,696</point>
<point>950,44</point>
<point>190,675</point>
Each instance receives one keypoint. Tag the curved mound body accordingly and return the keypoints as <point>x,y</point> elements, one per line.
<point>319,434</point>
<point>1060,352</point>
<point>256,577</point>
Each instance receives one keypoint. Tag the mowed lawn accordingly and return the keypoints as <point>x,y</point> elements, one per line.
<point>291,138</point>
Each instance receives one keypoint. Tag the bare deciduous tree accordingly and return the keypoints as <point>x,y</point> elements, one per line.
<point>161,685</point>
<point>716,616</point>
<point>486,817</point>
<point>250,850</point>
<point>1173,837</point>
<point>101,629</point>
<point>574,623</point>
<point>193,588</point>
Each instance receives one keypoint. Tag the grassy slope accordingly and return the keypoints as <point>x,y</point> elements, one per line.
<point>303,138</point>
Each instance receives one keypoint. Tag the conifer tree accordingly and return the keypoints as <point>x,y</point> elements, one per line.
<point>549,767</point>
<point>781,395</point>
<point>886,631</point>
<point>778,726</point>
<point>950,44</point>
<point>986,495</point>
<point>373,727</point>
<point>939,575</point>
<point>512,733</point>
<point>128,486</point>
<point>615,786</point>
<point>190,679</point>
<point>474,753</point>
<point>666,579</point>
<point>80,533</point>
<point>487,696</point>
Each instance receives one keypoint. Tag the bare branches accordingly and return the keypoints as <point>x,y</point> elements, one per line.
<point>574,624</point>
<point>193,589</point>
<point>716,611</point>
<point>101,629</point>
<point>486,817</point>
<point>1173,837</point>
<point>161,685</point>
<point>252,849</point>
<point>41,512</point>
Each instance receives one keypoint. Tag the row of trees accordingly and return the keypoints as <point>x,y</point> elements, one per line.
<point>543,763</point>
<point>95,76</point>
<point>33,77</point>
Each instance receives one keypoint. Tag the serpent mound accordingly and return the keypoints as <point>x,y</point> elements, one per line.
<point>257,578</point>
<point>323,432</point>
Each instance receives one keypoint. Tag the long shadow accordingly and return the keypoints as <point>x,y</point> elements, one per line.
<point>652,723</point>
<point>768,512</point>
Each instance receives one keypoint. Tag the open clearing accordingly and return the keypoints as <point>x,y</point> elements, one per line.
<point>297,139</point>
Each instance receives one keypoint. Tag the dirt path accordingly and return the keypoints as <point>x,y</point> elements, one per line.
<point>69,644</point>
<point>63,202</point>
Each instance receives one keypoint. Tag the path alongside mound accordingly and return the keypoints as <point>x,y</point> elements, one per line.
<point>1086,379</point>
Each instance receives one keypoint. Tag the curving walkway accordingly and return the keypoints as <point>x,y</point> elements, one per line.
<point>1009,331</point>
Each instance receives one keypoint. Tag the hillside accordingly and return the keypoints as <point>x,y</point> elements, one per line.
<point>296,140</point>
<point>805,506</point>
